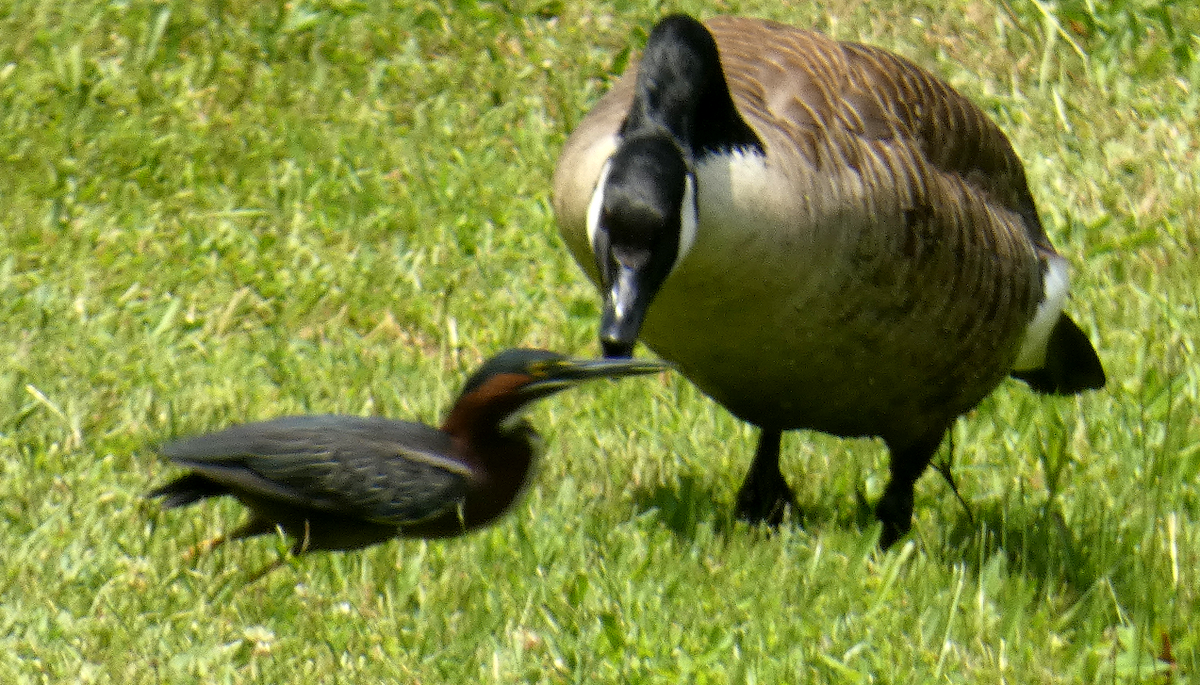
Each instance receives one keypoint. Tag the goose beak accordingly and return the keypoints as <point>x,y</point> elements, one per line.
<point>623,313</point>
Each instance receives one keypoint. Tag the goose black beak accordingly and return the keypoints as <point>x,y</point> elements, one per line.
<point>623,312</point>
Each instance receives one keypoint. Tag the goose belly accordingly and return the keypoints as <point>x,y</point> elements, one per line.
<point>843,328</point>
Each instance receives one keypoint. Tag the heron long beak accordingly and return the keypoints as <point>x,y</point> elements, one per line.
<point>558,374</point>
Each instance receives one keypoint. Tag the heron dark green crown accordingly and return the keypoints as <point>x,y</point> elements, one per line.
<point>545,373</point>
<point>519,361</point>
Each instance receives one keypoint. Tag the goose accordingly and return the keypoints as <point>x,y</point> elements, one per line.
<point>820,235</point>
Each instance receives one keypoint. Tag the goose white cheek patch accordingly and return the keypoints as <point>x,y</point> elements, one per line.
<point>688,219</point>
<point>597,203</point>
<point>1055,285</point>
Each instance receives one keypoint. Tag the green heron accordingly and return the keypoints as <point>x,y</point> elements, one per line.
<point>345,482</point>
<point>820,235</point>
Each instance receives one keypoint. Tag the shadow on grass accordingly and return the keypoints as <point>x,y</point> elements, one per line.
<point>681,507</point>
<point>1036,542</point>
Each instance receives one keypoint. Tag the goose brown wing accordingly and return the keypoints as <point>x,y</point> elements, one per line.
<point>389,472</point>
<point>839,100</point>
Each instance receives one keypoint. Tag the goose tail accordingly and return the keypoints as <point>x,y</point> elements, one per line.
<point>1071,364</point>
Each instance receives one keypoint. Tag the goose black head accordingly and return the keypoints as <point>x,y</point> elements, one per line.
<point>642,220</point>
<point>643,216</point>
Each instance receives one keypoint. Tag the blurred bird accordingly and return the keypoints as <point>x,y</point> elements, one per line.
<point>820,235</point>
<point>346,482</point>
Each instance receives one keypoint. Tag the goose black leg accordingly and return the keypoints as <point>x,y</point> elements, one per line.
<point>895,507</point>
<point>765,494</point>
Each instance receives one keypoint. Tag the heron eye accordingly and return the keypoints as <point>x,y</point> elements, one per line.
<point>539,369</point>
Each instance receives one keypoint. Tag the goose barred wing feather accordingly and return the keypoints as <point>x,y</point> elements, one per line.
<point>841,101</point>
<point>385,471</point>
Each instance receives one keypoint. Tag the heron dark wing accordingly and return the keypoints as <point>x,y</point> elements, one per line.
<point>391,472</point>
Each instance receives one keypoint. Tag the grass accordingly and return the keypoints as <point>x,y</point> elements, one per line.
<point>226,211</point>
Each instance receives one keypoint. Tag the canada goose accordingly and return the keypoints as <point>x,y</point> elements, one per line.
<point>820,235</point>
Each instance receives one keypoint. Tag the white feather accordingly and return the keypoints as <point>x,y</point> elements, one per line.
<point>1055,285</point>
<point>689,219</point>
<point>594,207</point>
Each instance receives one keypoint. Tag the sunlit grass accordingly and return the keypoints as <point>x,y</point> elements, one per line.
<point>221,212</point>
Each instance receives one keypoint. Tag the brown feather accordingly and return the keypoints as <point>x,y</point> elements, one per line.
<point>880,283</point>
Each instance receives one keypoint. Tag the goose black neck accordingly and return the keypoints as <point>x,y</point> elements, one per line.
<point>681,88</point>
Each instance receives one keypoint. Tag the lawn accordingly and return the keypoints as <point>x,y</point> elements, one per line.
<point>228,211</point>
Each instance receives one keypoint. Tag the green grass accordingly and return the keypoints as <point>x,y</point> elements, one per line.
<point>225,211</point>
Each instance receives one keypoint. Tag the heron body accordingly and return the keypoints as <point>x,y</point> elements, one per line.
<point>345,482</point>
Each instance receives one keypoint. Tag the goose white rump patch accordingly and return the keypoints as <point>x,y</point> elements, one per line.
<point>1055,285</point>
